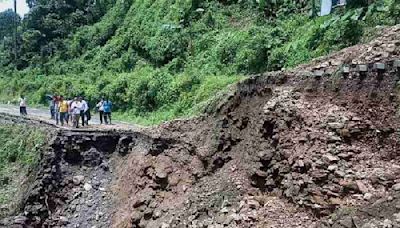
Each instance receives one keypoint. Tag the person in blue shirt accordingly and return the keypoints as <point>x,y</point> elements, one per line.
<point>107,106</point>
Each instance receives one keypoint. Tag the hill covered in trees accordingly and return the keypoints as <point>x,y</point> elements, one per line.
<point>160,59</point>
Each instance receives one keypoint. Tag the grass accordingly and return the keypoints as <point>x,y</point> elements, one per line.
<point>20,147</point>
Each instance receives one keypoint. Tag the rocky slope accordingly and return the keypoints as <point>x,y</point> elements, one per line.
<point>72,186</point>
<point>285,149</point>
<point>316,146</point>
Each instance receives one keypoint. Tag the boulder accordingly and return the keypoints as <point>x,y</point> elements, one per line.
<point>332,167</point>
<point>77,180</point>
<point>396,187</point>
<point>349,185</point>
<point>368,196</point>
<point>335,125</point>
<point>87,187</point>
<point>361,186</point>
<point>331,158</point>
<point>254,204</point>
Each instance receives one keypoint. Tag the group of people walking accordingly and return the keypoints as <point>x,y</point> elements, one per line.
<point>73,110</point>
<point>66,111</point>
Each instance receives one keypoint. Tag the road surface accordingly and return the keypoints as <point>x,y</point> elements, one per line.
<point>44,114</point>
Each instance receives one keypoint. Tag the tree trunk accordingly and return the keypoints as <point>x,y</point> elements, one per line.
<point>15,31</point>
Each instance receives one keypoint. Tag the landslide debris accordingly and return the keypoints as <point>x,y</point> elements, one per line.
<point>284,149</point>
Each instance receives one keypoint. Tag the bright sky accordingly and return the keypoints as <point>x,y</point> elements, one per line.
<point>22,7</point>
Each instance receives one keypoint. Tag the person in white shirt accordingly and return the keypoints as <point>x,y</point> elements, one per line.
<point>57,109</point>
<point>76,107</point>
<point>84,112</point>
<point>100,108</point>
<point>70,116</point>
<point>22,106</point>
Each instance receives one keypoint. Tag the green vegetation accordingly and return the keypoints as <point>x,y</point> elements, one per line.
<point>19,152</point>
<point>6,22</point>
<point>161,59</point>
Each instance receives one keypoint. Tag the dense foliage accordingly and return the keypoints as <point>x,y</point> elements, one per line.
<point>7,21</point>
<point>158,59</point>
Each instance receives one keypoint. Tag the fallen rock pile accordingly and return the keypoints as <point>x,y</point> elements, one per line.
<point>311,145</point>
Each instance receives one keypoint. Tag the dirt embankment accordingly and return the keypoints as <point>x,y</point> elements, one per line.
<point>317,146</point>
<point>72,185</point>
<point>285,149</point>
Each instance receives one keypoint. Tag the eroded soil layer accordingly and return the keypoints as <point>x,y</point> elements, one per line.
<point>73,184</point>
<point>284,149</point>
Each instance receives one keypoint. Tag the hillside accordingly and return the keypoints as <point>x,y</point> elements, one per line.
<point>158,60</point>
<point>315,146</point>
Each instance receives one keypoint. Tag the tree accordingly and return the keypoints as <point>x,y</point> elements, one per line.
<point>313,9</point>
<point>57,19</point>
<point>15,30</point>
<point>7,22</point>
<point>395,11</point>
<point>357,3</point>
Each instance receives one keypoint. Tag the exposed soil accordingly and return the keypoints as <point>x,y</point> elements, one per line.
<point>308,143</point>
<point>312,147</point>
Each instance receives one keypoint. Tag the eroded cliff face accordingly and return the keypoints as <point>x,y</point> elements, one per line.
<point>314,146</point>
<point>284,149</point>
<point>72,185</point>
